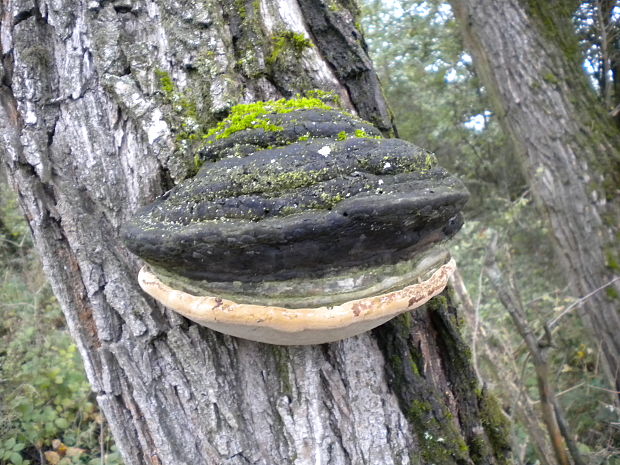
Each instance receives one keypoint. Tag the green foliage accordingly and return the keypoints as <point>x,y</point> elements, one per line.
<point>45,396</point>
<point>10,451</point>
<point>436,98</point>
<point>529,260</point>
<point>592,18</point>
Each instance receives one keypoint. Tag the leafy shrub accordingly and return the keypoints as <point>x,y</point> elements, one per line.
<point>47,413</point>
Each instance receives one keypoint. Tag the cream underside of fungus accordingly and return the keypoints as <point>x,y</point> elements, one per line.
<point>296,326</point>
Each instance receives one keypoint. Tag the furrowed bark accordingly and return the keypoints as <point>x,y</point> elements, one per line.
<point>99,101</point>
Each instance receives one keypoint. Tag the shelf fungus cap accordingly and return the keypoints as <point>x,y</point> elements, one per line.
<point>302,226</point>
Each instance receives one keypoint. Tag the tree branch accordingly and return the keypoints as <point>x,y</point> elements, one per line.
<point>509,297</point>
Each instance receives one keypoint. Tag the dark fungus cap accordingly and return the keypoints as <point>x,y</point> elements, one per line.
<point>312,192</point>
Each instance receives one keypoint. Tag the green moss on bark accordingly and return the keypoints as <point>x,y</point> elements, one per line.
<point>476,431</point>
<point>425,407</point>
<point>282,362</point>
<point>439,438</point>
<point>496,425</point>
<point>184,120</point>
<point>556,24</point>
<point>288,41</point>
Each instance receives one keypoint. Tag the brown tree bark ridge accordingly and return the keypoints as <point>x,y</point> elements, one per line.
<point>93,98</point>
<point>528,57</point>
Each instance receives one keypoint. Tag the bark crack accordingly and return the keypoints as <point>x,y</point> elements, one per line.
<point>22,16</point>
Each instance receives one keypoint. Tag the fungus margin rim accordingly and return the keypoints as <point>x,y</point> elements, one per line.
<point>206,310</point>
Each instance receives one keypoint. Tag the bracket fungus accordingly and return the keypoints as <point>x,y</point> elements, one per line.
<point>302,226</point>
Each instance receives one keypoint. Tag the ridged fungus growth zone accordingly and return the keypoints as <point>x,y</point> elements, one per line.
<point>303,225</point>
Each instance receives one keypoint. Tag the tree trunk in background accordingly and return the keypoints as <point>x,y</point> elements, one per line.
<point>97,98</point>
<point>527,56</point>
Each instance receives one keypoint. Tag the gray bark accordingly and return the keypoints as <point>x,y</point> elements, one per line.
<point>527,56</point>
<point>88,136</point>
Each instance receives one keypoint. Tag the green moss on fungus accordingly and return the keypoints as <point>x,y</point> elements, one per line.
<point>190,130</point>
<point>252,115</point>
<point>359,134</point>
<point>281,182</point>
<point>329,200</point>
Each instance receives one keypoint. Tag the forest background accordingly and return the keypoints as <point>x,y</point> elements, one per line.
<point>48,415</point>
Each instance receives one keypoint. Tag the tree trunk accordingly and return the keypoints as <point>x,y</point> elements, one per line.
<point>527,56</point>
<point>100,103</point>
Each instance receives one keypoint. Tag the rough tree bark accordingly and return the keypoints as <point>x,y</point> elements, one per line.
<point>100,100</point>
<point>527,56</point>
